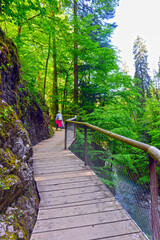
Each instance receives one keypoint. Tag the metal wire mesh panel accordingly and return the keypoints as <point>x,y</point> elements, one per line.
<point>77,146</point>
<point>70,134</point>
<point>126,175</point>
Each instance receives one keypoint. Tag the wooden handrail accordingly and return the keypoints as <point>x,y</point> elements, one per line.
<point>151,150</point>
<point>72,119</point>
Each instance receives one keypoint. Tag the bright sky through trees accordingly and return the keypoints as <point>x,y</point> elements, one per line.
<point>138,17</point>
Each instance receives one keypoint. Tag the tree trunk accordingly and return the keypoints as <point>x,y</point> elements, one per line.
<point>38,80</point>
<point>156,94</point>
<point>75,55</point>
<point>65,94</point>
<point>55,82</point>
<point>55,88</point>
<point>19,31</point>
<point>45,75</point>
<point>65,89</point>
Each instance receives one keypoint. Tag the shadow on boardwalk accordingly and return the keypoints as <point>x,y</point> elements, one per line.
<point>75,204</point>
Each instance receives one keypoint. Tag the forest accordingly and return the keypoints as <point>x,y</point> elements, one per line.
<point>67,58</point>
<point>58,55</point>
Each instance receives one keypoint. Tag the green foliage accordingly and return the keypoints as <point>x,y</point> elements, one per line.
<point>151,123</point>
<point>29,23</point>
<point>108,98</point>
<point>141,66</point>
<point>6,112</point>
<point>118,116</point>
<point>16,10</point>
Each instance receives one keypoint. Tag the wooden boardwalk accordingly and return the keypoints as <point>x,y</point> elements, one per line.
<point>75,205</point>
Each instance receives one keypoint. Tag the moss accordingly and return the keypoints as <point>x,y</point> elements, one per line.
<point>7,120</point>
<point>10,164</point>
<point>51,131</point>
<point>6,113</point>
<point>9,45</point>
<point>7,181</point>
<point>8,159</point>
<point>18,107</point>
<point>14,236</point>
<point>5,56</point>
<point>0,85</point>
<point>9,56</point>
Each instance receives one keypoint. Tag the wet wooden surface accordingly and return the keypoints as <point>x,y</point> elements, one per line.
<point>75,204</point>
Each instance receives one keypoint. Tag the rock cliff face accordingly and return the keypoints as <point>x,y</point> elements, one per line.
<point>30,112</point>
<point>19,199</point>
<point>14,91</point>
<point>18,196</point>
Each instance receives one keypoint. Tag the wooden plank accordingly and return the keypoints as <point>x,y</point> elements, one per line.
<point>58,165</point>
<point>64,181</point>
<point>45,182</point>
<point>78,203</point>
<point>81,173</point>
<point>78,210</point>
<point>73,198</point>
<point>73,191</point>
<point>56,158</point>
<point>107,230</point>
<point>52,170</point>
<point>71,185</point>
<point>80,220</point>
<point>132,236</point>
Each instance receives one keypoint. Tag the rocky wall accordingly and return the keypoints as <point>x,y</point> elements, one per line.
<point>19,199</point>
<point>19,111</point>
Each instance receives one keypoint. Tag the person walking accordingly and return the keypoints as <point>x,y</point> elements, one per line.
<point>59,121</point>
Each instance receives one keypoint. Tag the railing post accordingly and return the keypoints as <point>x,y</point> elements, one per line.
<point>154,199</point>
<point>85,145</point>
<point>65,144</point>
<point>74,130</point>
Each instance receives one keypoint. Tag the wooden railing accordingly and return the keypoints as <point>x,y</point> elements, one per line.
<point>154,157</point>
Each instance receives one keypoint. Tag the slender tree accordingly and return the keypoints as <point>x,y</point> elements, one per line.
<point>141,66</point>
<point>156,81</point>
<point>46,67</point>
<point>55,79</point>
<point>75,54</point>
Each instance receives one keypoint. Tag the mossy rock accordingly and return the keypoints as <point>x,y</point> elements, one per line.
<point>9,58</point>
<point>9,160</point>
<point>7,121</point>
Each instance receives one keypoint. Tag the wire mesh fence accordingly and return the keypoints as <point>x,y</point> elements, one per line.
<point>125,172</point>
<point>70,134</point>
